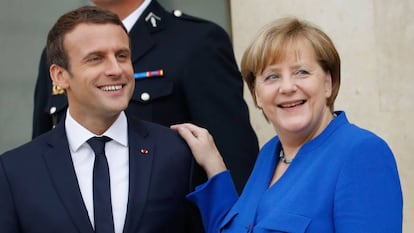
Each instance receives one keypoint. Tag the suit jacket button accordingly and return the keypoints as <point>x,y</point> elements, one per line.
<point>145,96</point>
<point>52,110</point>
<point>178,13</point>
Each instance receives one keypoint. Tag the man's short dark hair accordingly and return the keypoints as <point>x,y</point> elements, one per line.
<point>56,53</point>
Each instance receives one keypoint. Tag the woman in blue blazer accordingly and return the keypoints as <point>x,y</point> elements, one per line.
<point>321,173</point>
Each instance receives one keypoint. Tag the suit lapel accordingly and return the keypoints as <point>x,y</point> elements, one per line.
<point>141,33</point>
<point>141,156</point>
<point>62,173</point>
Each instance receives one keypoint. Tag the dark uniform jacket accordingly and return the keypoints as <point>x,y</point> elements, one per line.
<point>200,83</point>
<point>39,191</point>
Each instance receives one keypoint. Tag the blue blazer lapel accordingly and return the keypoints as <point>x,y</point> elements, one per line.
<point>141,155</point>
<point>62,173</point>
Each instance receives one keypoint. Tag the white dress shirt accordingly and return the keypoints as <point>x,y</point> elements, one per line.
<point>117,155</point>
<point>130,20</point>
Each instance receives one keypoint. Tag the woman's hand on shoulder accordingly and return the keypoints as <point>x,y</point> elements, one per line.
<point>203,147</point>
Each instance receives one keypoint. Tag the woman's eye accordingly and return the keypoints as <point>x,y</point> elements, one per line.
<point>271,77</point>
<point>301,72</point>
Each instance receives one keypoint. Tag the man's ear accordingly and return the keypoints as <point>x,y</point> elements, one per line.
<point>59,76</point>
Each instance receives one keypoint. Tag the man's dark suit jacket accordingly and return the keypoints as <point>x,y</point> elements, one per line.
<point>201,84</point>
<point>39,190</point>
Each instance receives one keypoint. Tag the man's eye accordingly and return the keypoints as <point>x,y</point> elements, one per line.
<point>94,59</point>
<point>122,55</point>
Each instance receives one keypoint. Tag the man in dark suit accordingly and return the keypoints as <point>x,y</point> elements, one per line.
<point>185,72</point>
<point>58,181</point>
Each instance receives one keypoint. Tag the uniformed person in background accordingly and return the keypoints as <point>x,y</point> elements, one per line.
<point>185,71</point>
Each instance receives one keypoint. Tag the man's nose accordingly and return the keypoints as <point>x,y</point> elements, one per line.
<point>113,67</point>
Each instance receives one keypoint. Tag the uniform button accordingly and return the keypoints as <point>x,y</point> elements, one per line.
<point>145,96</point>
<point>178,13</point>
<point>52,110</point>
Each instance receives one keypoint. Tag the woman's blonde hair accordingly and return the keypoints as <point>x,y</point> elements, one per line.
<point>277,39</point>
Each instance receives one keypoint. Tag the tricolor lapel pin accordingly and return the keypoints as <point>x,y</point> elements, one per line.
<point>143,151</point>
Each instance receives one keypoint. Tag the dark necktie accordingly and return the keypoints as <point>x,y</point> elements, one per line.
<point>102,206</point>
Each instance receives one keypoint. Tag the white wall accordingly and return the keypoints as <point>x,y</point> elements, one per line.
<point>374,39</point>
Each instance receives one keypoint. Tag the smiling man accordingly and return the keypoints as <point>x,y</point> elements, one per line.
<point>99,79</point>
<point>99,170</point>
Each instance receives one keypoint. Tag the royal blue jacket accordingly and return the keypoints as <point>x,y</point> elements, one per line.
<point>344,180</point>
